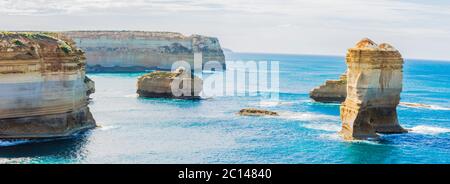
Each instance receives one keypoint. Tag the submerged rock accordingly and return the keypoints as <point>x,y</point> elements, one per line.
<point>257,112</point>
<point>178,84</point>
<point>44,90</point>
<point>374,83</point>
<point>331,91</point>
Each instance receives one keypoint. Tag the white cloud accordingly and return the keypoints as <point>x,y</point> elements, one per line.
<point>299,26</point>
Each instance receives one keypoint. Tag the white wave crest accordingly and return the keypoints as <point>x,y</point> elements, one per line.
<point>131,95</point>
<point>323,126</point>
<point>313,121</point>
<point>273,103</point>
<point>429,130</point>
<point>337,137</point>
<point>306,116</point>
<point>13,142</point>
<point>424,106</point>
<point>332,137</point>
<point>107,127</point>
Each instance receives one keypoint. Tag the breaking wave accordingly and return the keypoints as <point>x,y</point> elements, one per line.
<point>135,95</point>
<point>337,137</point>
<point>424,106</point>
<point>13,142</point>
<point>306,116</point>
<point>313,121</point>
<point>273,103</point>
<point>429,130</point>
<point>109,127</point>
<point>323,126</point>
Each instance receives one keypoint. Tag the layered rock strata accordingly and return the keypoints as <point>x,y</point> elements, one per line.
<point>374,83</point>
<point>128,51</point>
<point>178,84</point>
<point>331,91</point>
<point>42,87</point>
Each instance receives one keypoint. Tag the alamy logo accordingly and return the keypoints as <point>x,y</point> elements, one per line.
<point>241,78</point>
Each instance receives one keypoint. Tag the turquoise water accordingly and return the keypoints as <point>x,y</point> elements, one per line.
<point>137,130</point>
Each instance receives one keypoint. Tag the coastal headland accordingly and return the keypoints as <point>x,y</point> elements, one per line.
<point>138,51</point>
<point>43,88</point>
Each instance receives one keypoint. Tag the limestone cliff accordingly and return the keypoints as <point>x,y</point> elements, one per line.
<point>42,86</point>
<point>331,91</point>
<point>374,83</point>
<point>126,51</point>
<point>177,84</point>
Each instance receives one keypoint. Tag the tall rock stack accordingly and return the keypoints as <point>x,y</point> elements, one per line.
<point>374,83</point>
<point>43,87</point>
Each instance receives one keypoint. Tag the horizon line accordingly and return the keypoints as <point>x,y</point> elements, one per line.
<point>330,55</point>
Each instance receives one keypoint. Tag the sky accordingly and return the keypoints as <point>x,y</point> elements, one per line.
<point>418,28</point>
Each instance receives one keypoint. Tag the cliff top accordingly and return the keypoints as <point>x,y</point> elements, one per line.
<point>128,34</point>
<point>27,44</point>
<point>23,39</point>
<point>368,44</point>
<point>160,74</point>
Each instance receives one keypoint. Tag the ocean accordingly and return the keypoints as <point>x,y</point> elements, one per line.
<point>143,130</point>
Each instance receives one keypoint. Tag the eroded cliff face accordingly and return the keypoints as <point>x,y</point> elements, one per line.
<point>127,51</point>
<point>331,91</point>
<point>42,86</point>
<point>374,83</point>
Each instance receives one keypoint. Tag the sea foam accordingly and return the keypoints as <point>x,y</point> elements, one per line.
<point>424,106</point>
<point>273,103</point>
<point>13,142</point>
<point>313,121</point>
<point>429,130</point>
<point>306,116</point>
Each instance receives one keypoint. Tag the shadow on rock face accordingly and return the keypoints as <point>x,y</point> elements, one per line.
<point>366,152</point>
<point>180,103</point>
<point>69,148</point>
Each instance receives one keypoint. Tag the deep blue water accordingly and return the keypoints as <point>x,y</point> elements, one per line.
<point>138,130</point>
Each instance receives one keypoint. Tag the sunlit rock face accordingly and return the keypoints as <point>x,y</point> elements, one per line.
<point>178,84</point>
<point>42,86</point>
<point>331,91</point>
<point>374,83</point>
<point>128,51</point>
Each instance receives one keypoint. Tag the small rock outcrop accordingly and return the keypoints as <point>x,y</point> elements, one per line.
<point>138,51</point>
<point>178,84</point>
<point>374,83</point>
<point>331,91</point>
<point>256,112</point>
<point>43,87</point>
<point>90,86</point>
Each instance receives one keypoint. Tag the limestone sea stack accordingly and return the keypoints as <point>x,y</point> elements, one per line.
<point>374,83</point>
<point>162,84</point>
<point>137,51</point>
<point>331,91</point>
<point>43,87</point>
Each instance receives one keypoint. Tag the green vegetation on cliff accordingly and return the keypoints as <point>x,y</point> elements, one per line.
<point>161,74</point>
<point>20,39</point>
